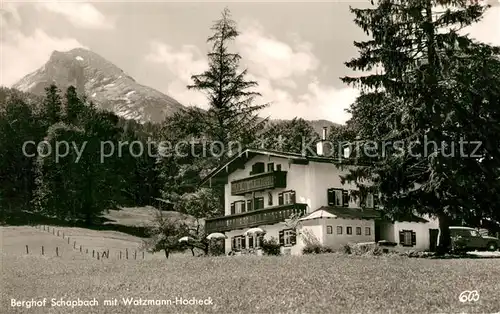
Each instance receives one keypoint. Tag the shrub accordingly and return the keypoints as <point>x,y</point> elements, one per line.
<point>271,247</point>
<point>216,248</point>
<point>364,249</point>
<point>458,245</point>
<point>314,248</point>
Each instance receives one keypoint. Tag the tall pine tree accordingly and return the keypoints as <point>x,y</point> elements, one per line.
<point>232,114</point>
<point>428,87</point>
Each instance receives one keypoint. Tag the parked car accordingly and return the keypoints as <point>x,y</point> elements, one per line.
<point>471,239</point>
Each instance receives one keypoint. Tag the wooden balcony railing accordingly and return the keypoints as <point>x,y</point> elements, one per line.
<point>263,181</point>
<point>266,216</point>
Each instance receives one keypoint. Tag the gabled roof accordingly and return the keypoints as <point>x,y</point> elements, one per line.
<point>240,159</point>
<point>351,213</point>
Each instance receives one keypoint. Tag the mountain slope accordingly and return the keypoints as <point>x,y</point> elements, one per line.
<point>103,82</point>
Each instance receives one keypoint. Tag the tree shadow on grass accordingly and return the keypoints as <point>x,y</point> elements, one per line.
<point>24,218</point>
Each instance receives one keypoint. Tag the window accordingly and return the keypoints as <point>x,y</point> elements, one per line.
<point>258,240</point>
<point>338,197</point>
<point>339,229</point>
<point>286,198</point>
<point>238,243</point>
<point>270,167</point>
<point>257,168</point>
<point>349,230</point>
<point>270,199</point>
<point>287,237</point>
<point>258,203</point>
<point>278,167</point>
<point>251,241</point>
<point>474,233</point>
<point>249,205</point>
<point>407,238</point>
<point>329,229</point>
<point>240,207</point>
<point>358,230</point>
<point>367,231</point>
<point>369,200</point>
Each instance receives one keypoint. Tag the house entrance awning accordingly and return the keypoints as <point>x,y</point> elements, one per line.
<point>318,214</point>
<point>342,212</point>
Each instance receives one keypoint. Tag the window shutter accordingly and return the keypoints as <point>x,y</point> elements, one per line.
<point>270,199</point>
<point>413,238</point>
<point>250,242</point>
<point>249,205</point>
<point>233,209</point>
<point>293,238</point>
<point>292,196</point>
<point>401,237</point>
<point>243,240</point>
<point>345,198</point>
<point>243,207</point>
<point>280,199</point>
<point>233,241</point>
<point>331,197</point>
<point>282,237</point>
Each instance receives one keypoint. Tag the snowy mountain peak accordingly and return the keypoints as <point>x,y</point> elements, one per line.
<point>106,84</point>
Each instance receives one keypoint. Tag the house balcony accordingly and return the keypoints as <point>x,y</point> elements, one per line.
<point>255,218</point>
<point>260,182</point>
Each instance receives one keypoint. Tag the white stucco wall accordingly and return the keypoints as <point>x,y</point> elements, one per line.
<point>421,232</point>
<point>336,241</point>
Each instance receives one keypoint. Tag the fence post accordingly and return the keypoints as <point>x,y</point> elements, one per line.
<point>142,254</point>
<point>120,254</point>
<point>57,251</point>
<point>135,254</point>
<point>107,254</point>
<point>68,240</point>
<point>97,255</point>
<point>86,251</point>
<point>53,231</point>
<point>27,251</point>
<point>42,250</point>
<point>80,249</point>
<point>126,253</point>
<point>57,232</point>
<point>93,253</point>
<point>74,244</point>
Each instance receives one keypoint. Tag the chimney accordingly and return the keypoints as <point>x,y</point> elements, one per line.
<point>323,147</point>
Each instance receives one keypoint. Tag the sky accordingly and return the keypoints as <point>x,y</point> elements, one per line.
<point>294,50</point>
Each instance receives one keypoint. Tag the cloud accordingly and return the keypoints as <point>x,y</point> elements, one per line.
<point>279,68</point>
<point>488,29</point>
<point>182,64</point>
<point>21,54</point>
<point>319,101</point>
<point>80,14</point>
<point>274,59</point>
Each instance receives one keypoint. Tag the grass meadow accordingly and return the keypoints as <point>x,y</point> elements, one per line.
<point>330,283</point>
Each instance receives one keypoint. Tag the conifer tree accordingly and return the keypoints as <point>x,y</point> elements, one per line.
<point>232,114</point>
<point>432,84</point>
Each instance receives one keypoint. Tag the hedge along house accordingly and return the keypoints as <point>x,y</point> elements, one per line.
<point>267,189</point>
